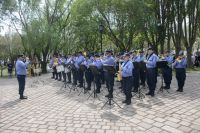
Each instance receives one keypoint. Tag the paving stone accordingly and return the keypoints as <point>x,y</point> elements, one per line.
<point>51,108</point>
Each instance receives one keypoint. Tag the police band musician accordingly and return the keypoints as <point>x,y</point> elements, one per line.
<point>131,77</point>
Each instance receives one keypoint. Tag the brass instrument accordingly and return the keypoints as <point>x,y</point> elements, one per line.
<point>119,74</point>
<point>179,58</point>
<point>55,62</point>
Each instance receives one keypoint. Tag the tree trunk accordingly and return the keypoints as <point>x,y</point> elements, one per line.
<point>1,71</point>
<point>44,63</point>
<point>189,57</point>
<point>177,49</point>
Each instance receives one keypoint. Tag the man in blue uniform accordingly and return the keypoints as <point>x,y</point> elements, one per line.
<point>136,72</point>
<point>180,67</point>
<point>97,62</point>
<point>63,60</point>
<point>167,71</point>
<point>151,71</point>
<point>88,73</point>
<point>80,58</point>
<point>109,76</point>
<point>68,63</point>
<point>142,68</point>
<point>21,75</point>
<point>126,68</point>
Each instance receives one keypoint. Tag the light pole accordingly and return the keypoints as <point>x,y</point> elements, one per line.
<point>101,34</point>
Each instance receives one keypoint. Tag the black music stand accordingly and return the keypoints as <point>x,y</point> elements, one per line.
<point>73,87</point>
<point>161,65</point>
<point>110,69</point>
<point>139,93</point>
<point>95,71</point>
<point>65,83</point>
<point>83,68</point>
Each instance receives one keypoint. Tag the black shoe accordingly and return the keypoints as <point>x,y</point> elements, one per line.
<point>135,91</point>
<point>69,82</point>
<point>59,80</point>
<point>97,91</point>
<point>52,77</point>
<point>148,93</point>
<point>23,97</point>
<point>74,84</point>
<point>124,101</point>
<point>56,78</point>
<point>80,86</point>
<point>167,87</point>
<point>152,95</point>
<point>88,88</point>
<point>109,96</point>
<point>180,90</point>
<point>128,102</point>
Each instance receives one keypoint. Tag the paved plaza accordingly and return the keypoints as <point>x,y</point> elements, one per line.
<point>54,109</point>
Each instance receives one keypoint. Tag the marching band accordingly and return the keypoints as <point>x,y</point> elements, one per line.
<point>133,70</point>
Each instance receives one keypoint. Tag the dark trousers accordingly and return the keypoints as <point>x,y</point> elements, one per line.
<point>180,76</point>
<point>127,87</point>
<point>102,76</point>
<point>69,76</point>
<point>151,79</point>
<point>64,76</point>
<point>143,76</point>
<point>55,74</point>
<point>21,82</point>
<point>80,77</point>
<point>109,78</point>
<point>97,78</point>
<point>60,75</point>
<point>75,76</point>
<point>89,78</point>
<point>167,75</point>
<point>136,79</point>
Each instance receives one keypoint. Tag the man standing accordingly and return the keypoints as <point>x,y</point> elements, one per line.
<point>167,71</point>
<point>151,71</point>
<point>180,65</point>
<point>126,69</point>
<point>21,75</point>
<point>109,76</point>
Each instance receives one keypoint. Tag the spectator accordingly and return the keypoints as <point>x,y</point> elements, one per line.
<point>10,69</point>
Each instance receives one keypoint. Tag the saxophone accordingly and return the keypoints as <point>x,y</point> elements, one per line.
<point>119,75</point>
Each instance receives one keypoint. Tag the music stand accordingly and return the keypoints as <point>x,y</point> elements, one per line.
<point>139,93</point>
<point>94,71</point>
<point>143,67</point>
<point>83,68</point>
<point>73,87</point>
<point>110,69</point>
<point>161,65</point>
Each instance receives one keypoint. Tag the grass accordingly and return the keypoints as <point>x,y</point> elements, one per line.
<point>5,73</point>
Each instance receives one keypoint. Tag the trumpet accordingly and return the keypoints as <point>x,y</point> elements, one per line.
<point>179,58</point>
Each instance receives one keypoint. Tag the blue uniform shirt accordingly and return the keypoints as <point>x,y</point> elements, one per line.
<point>98,63</point>
<point>136,59</point>
<point>21,67</point>
<point>141,58</point>
<point>151,61</point>
<point>68,60</point>
<point>109,61</point>
<point>169,60</point>
<point>79,60</point>
<point>88,62</point>
<point>181,64</point>
<point>127,68</point>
